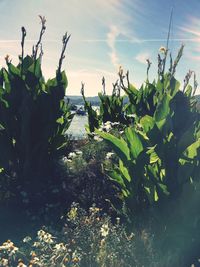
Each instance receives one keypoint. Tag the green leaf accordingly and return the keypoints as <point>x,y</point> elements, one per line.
<point>192,151</point>
<point>118,145</point>
<point>116,176</point>
<point>124,171</point>
<point>163,109</point>
<point>147,123</point>
<point>13,70</point>
<point>153,155</point>
<point>155,195</point>
<point>186,139</point>
<point>134,142</point>
<point>35,68</point>
<point>163,188</point>
<point>60,120</point>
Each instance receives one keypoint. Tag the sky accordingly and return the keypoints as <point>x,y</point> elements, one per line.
<point>105,34</point>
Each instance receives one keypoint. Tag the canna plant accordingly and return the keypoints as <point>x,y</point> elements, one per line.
<point>111,108</point>
<point>161,151</point>
<point>33,116</point>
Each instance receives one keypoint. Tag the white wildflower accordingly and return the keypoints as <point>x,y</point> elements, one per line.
<point>3,262</point>
<point>21,264</point>
<point>13,251</point>
<point>163,50</point>
<point>45,237</point>
<point>108,123</point>
<point>107,127</point>
<point>94,209</point>
<point>97,138</point>
<point>36,244</point>
<point>109,155</point>
<point>104,229</point>
<point>27,239</point>
<point>71,155</point>
<point>60,247</point>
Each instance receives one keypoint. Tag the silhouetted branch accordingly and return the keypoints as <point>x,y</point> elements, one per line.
<point>195,84</point>
<point>43,28</point>
<point>148,67</point>
<point>22,45</point>
<point>180,53</point>
<point>62,56</point>
<point>104,86</point>
<point>187,79</point>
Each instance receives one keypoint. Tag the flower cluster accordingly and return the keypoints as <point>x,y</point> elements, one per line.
<point>72,155</point>
<point>107,126</point>
<point>9,248</point>
<point>8,253</point>
<point>87,239</point>
<point>45,237</point>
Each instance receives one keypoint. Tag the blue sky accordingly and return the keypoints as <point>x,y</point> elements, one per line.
<point>105,35</point>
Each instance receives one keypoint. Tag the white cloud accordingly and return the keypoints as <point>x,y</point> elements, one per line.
<point>142,57</point>
<point>111,39</point>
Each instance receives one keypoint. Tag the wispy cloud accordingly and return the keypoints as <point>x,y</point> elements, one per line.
<point>111,39</point>
<point>190,31</point>
<point>142,57</point>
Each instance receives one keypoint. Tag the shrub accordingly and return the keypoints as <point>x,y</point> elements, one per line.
<point>33,118</point>
<point>160,151</point>
<point>87,239</point>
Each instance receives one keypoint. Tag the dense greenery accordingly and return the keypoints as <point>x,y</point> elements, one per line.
<point>140,165</point>
<point>33,118</point>
<point>160,151</point>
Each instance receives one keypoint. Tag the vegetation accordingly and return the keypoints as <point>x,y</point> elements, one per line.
<point>33,120</point>
<point>140,165</point>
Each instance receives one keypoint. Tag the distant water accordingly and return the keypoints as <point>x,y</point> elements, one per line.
<point>77,127</point>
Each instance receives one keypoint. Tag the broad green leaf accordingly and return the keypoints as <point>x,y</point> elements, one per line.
<point>13,69</point>
<point>60,120</point>
<point>134,142</point>
<point>27,62</point>
<point>147,189</point>
<point>2,127</point>
<point>124,171</point>
<point>118,145</point>
<point>186,139</point>
<point>163,188</point>
<point>189,90</point>
<point>153,155</point>
<point>162,111</point>
<point>155,195</point>
<point>116,176</point>
<point>147,123</point>
<point>35,68</point>
<point>174,85</point>
<point>192,151</point>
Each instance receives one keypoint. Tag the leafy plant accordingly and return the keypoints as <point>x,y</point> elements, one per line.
<point>111,108</point>
<point>87,239</point>
<point>160,152</point>
<point>33,116</point>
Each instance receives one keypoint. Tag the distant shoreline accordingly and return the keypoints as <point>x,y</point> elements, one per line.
<point>78,100</point>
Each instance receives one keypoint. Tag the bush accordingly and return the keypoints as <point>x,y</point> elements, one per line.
<point>87,239</point>
<point>33,120</point>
